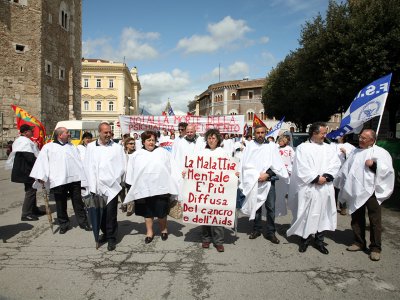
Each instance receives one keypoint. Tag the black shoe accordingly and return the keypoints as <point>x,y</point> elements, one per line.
<point>38,212</point>
<point>85,226</point>
<point>164,236</point>
<point>63,230</point>
<point>29,218</point>
<point>321,248</point>
<point>273,239</point>
<point>303,247</point>
<point>111,245</point>
<point>254,235</point>
<point>102,239</point>
<point>148,239</point>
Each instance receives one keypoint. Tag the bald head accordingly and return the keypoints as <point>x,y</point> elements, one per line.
<point>190,131</point>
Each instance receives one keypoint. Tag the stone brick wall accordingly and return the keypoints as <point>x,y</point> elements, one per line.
<point>35,26</point>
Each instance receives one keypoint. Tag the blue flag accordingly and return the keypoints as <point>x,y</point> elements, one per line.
<point>275,131</point>
<point>170,111</point>
<point>369,103</point>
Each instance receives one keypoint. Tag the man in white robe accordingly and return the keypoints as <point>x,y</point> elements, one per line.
<point>104,166</point>
<point>311,193</point>
<point>191,143</point>
<point>21,161</point>
<point>260,165</point>
<point>59,166</point>
<point>228,145</point>
<point>365,181</point>
<point>182,133</point>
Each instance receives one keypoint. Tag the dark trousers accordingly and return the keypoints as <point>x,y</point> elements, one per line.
<point>341,205</point>
<point>375,224</point>
<point>29,200</point>
<point>109,224</point>
<point>60,195</point>
<point>270,206</point>
<point>213,234</point>
<point>318,239</point>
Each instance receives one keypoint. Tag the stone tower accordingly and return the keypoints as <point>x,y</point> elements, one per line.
<point>40,61</point>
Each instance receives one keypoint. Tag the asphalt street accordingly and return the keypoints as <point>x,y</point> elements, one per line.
<point>37,264</point>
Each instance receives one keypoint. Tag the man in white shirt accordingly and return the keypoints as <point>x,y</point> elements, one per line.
<point>311,193</point>
<point>104,166</point>
<point>365,181</point>
<point>21,161</point>
<point>59,164</point>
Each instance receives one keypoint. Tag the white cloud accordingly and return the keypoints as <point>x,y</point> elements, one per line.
<point>268,58</point>
<point>133,45</point>
<point>235,71</point>
<point>221,35</point>
<point>264,40</point>
<point>157,88</point>
<point>238,69</point>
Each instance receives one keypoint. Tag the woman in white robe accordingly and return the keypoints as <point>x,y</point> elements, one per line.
<point>153,178</point>
<point>282,187</point>
<point>86,139</point>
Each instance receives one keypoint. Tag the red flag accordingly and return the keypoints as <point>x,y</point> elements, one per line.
<point>164,113</point>
<point>23,117</point>
<point>257,121</point>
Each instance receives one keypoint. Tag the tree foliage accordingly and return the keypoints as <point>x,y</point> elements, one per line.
<point>356,43</point>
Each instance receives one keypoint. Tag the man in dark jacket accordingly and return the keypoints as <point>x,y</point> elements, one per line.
<point>24,153</point>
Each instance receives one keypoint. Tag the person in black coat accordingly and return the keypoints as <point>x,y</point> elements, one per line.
<point>24,159</point>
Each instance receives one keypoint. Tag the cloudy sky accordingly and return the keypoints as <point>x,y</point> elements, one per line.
<point>180,47</point>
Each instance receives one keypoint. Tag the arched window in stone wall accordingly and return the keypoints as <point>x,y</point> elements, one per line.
<point>98,105</point>
<point>86,105</point>
<point>262,115</point>
<point>233,96</point>
<point>64,15</point>
<point>250,115</point>
<point>111,106</point>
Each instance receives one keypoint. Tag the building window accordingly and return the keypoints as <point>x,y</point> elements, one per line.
<point>85,83</point>
<point>250,116</point>
<point>64,20</point>
<point>250,95</point>
<point>111,106</point>
<point>48,67</point>
<point>111,83</point>
<point>98,105</point>
<point>98,83</point>
<point>61,73</point>
<point>262,115</point>
<point>112,127</point>
<point>19,48</point>
<point>233,96</point>
<point>86,105</point>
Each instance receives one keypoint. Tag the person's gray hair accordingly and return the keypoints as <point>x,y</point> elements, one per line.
<point>371,132</point>
<point>315,127</point>
<point>101,124</point>
<point>59,131</point>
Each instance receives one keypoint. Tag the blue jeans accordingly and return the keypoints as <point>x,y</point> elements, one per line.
<point>270,206</point>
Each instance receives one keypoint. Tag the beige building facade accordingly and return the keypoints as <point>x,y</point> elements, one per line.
<point>109,89</point>
<point>40,61</point>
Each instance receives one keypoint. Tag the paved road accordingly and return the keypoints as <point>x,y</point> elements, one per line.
<point>36,264</point>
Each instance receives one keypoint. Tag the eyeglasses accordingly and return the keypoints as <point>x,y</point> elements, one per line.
<point>181,129</point>
<point>131,143</point>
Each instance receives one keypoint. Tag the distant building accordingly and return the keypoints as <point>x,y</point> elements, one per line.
<point>109,89</point>
<point>40,61</point>
<point>237,97</point>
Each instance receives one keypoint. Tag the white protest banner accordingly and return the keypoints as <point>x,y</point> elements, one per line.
<point>209,190</point>
<point>226,124</point>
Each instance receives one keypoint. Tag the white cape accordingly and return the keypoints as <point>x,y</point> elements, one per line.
<point>313,206</point>
<point>282,187</point>
<point>183,147</point>
<point>357,182</point>
<point>150,174</point>
<point>257,159</point>
<point>104,167</point>
<point>57,165</point>
<point>21,144</point>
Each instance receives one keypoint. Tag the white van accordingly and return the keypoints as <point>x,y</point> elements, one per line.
<point>77,127</point>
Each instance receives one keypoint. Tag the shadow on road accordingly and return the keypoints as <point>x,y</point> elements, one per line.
<point>8,231</point>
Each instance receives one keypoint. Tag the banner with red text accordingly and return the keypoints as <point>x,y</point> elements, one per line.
<point>209,190</point>
<point>225,124</point>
